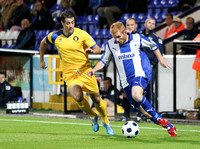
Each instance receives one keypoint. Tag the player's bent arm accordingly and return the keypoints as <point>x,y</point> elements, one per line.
<point>162,61</point>
<point>97,49</point>
<point>98,66</point>
<point>43,47</point>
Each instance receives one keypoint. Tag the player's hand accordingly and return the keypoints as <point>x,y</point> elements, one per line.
<point>42,65</point>
<point>165,64</point>
<point>91,73</point>
<point>90,51</point>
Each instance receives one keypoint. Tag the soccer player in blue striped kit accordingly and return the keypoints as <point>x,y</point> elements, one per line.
<point>134,69</point>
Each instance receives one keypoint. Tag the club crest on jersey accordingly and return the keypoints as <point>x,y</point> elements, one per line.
<point>75,38</point>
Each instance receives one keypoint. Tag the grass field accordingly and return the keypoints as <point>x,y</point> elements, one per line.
<point>58,133</point>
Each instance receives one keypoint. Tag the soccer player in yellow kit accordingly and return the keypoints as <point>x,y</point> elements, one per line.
<point>73,46</point>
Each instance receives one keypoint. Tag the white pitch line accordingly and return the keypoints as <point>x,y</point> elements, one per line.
<point>68,123</point>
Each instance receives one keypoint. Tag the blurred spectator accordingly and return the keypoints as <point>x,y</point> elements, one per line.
<point>131,25</point>
<point>20,13</point>
<point>95,4</point>
<point>44,20</point>
<point>7,13</point>
<point>137,6</point>
<point>170,27</point>
<point>178,25</point>
<point>126,105</point>
<point>7,92</point>
<point>183,5</point>
<point>108,95</point>
<point>49,3</point>
<point>190,33</point>
<point>81,7</point>
<point>65,6</point>
<point>26,38</point>
<point>2,7</point>
<point>111,10</point>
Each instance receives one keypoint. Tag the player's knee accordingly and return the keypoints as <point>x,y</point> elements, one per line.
<point>78,96</point>
<point>137,96</point>
<point>96,98</point>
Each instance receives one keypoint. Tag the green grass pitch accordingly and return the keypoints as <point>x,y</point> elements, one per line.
<point>58,133</point>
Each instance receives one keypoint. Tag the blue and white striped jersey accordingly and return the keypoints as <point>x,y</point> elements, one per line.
<point>129,59</point>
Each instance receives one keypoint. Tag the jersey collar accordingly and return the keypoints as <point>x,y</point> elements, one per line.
<point>68,35</point>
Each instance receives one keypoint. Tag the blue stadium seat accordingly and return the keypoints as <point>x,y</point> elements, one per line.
<point>80,20</point>
<point>173,3</point>
<point>55,7</point>
<point>133,15</point>
<point>124,17</point>
<point>96,33</point>
<point>30,6</point>
<point>164,3</point>
<point>153,4</point>
<point>105,33</point>
<point>141,17</point>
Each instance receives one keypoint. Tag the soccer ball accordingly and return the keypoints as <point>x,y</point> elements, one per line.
<point>130,129</point>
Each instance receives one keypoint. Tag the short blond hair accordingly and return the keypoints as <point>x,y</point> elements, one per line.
<point>117,26</point>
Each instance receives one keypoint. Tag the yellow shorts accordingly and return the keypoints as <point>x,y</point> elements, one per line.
<point>88,84</point>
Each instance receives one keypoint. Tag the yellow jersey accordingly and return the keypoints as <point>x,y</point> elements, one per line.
<point>72,49</point>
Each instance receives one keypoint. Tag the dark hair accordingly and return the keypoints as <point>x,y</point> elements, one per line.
<point>108,78</point>
<point>191,18</point>
<point>66,14</point>
<point>4,73</point>
<point>170,15</point>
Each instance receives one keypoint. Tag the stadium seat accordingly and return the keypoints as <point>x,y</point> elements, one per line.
<point>105,33</point>
<point>96,33</point>
<point>173,3</point>
<point>55,7</point>
<point>141,17</point>
<point>153,4</point>
<point>124,17</point>
<point>133,15</point>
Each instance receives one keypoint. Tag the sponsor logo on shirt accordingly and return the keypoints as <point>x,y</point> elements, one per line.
<point>126,56</point>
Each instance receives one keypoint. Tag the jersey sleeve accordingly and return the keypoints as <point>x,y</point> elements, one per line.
<point>146,42</point>
<point>106,56</point>
<point>89,41</point>
<point>49,38</point>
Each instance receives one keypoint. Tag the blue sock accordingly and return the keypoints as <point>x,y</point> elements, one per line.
<point>169,125</point>
<point>148,108</point>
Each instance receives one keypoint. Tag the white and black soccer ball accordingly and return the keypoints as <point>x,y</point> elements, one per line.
<point>130,129</point>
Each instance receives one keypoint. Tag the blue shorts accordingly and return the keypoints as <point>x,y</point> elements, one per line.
<point>138,81</point>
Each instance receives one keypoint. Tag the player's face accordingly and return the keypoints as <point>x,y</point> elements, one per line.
<point>68,25</point>
<point>150,24</point>
<point>120,37</point>
<point>2,78</point>
<point>131,26</point>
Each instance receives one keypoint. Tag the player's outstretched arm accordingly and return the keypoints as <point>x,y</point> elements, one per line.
<point>95,50</point>
<point>43,47</point>
<point>98,66</point>
<point>162,61</point>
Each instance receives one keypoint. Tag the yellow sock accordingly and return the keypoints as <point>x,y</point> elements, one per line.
<point>84,105</point>
<point>101,108</point>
